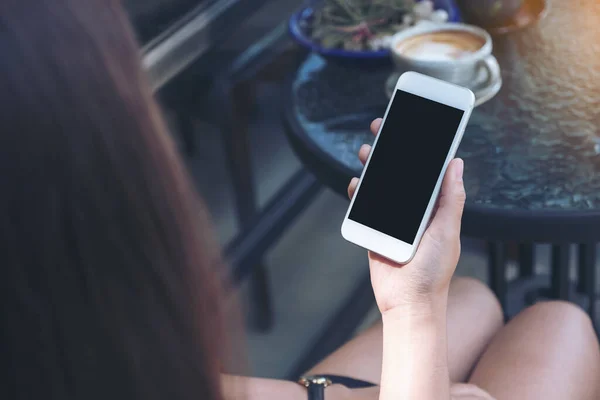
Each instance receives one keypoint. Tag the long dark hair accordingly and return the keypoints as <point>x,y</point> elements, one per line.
<point>106,283</point>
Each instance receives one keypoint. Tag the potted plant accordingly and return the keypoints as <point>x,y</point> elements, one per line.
<point>360,29</point>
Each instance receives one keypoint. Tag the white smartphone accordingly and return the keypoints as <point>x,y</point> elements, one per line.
<point>399,186</point>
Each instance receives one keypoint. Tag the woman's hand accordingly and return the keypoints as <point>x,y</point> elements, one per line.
<point>428,275</point>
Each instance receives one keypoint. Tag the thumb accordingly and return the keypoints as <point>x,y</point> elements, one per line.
<point>452,200</point>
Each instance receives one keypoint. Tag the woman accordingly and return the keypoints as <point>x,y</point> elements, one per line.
<point>109,287</point>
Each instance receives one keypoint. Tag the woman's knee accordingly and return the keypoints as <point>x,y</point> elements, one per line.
<point>473,293</point>
<point>548,351</point>
<point>562,317</point>
<point>565,330</point>
<point>474,318</point>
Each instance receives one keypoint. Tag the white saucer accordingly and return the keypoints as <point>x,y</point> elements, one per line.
<point>485,85</point>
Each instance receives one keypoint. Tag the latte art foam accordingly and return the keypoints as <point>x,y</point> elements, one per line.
<point>441,46</point>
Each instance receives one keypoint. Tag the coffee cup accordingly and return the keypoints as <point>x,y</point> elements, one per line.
<point>450,51</point>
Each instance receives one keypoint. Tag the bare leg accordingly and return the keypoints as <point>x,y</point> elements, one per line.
<point>549,351</point>
<point>474,317</point>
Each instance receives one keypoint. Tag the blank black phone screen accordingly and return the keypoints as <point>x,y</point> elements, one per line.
<point>405,166</point>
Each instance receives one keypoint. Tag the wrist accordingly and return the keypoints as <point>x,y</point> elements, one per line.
<point>415,352</point>
<point>428,307</point>
<point>320,387</point>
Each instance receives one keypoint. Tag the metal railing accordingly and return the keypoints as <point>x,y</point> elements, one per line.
<point>193,36</point>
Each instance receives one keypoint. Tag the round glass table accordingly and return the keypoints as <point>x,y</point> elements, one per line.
<point>532,153</point>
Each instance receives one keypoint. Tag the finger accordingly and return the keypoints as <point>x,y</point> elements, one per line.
<point>352,187</point>
<point>363,153</point>
<point>452,200</point>
<point>376,125</point>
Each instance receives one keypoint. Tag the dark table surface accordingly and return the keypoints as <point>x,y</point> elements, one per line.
<point>532,154</point>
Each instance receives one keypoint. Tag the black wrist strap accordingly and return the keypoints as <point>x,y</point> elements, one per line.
<point>315,386</point>
<point>316,392</point>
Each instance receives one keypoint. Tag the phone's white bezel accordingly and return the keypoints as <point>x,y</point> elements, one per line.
<point>441,92</point>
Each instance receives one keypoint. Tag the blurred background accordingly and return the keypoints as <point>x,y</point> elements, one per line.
<point>269,104</point>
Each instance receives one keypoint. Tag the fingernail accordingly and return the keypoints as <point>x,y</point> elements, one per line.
<point>354,181</point>
<point>459,169</point>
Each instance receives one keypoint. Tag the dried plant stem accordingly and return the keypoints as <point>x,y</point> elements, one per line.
<point>351,24</point>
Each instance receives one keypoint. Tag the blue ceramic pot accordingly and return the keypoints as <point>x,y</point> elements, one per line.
<point>299,25</point>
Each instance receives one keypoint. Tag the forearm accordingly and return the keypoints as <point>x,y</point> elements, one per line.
<point>244,388</point>
<point>415,353</point>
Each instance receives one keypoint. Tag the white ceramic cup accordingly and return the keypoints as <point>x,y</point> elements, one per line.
<point>462,71</point>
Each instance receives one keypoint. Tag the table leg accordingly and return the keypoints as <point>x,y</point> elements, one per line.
<point>497,271</point>
<point>185,126</point>
<point>234,132</point>
<point>235,95</point>
<point>586,280</point>
<point>526,260</point>
<point>560,272</point>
